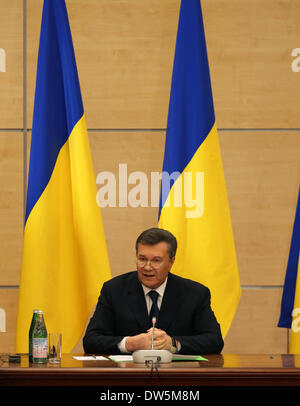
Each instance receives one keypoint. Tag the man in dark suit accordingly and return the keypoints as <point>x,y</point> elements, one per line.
<point>122,319</point>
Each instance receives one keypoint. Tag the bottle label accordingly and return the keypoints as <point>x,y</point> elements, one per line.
<point>39,347</point>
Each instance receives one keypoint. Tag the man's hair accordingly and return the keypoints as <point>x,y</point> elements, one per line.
<point>154,236</point>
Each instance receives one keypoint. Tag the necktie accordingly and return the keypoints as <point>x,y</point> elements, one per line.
<point>154,312</point>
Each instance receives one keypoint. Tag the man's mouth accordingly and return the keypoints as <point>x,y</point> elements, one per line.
<point>149,275</point>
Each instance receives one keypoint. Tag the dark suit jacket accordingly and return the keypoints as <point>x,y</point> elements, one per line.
<point>185,314</point>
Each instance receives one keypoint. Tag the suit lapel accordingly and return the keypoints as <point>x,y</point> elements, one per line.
<point>170,304</point>
<point>137,303</point>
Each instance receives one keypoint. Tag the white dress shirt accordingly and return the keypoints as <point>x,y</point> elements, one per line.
<point>160,290</point>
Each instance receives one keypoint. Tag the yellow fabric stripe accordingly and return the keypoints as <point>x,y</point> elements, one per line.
<point>206,251</point>
<point>294,345</point>
<point>65,260</point>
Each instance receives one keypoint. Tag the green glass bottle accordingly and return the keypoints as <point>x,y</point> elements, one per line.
<point>39,340</point>
<point>33,320</point>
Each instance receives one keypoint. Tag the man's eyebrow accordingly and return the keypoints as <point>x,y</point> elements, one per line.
<point>156,256</point>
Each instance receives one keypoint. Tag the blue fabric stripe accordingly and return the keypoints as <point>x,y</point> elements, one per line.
<point>58,104</point>
<point>288,296</point>
<point>191,111</point>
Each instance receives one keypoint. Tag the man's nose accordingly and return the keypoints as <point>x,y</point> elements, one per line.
<point>148,264</point>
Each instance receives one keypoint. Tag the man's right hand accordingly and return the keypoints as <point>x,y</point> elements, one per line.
<point>139,342</point>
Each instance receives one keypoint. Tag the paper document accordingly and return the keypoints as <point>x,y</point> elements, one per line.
<point>90,358</point>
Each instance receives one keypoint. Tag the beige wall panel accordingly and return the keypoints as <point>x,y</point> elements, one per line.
<point>262,173</point>
<point>249,46</point>
<point>8,317</point>
<point>141,152</point>
<point>254,329</point>
<point>11,207</point>
<point>124,52</point>
<point>11,64</point>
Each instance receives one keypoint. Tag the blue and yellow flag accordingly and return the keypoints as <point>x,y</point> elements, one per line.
<point>65,258</point>
<point>193,203</point>
<point>290,302</point>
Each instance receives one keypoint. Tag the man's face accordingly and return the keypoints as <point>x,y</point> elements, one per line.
<point>153,264</point>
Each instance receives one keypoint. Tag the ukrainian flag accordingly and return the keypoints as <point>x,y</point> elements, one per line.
<point>290,303</point>
<point>65,259</point>
<point>195,207</point>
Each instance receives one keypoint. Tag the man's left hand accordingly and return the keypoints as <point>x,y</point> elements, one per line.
<point>161,339</point>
